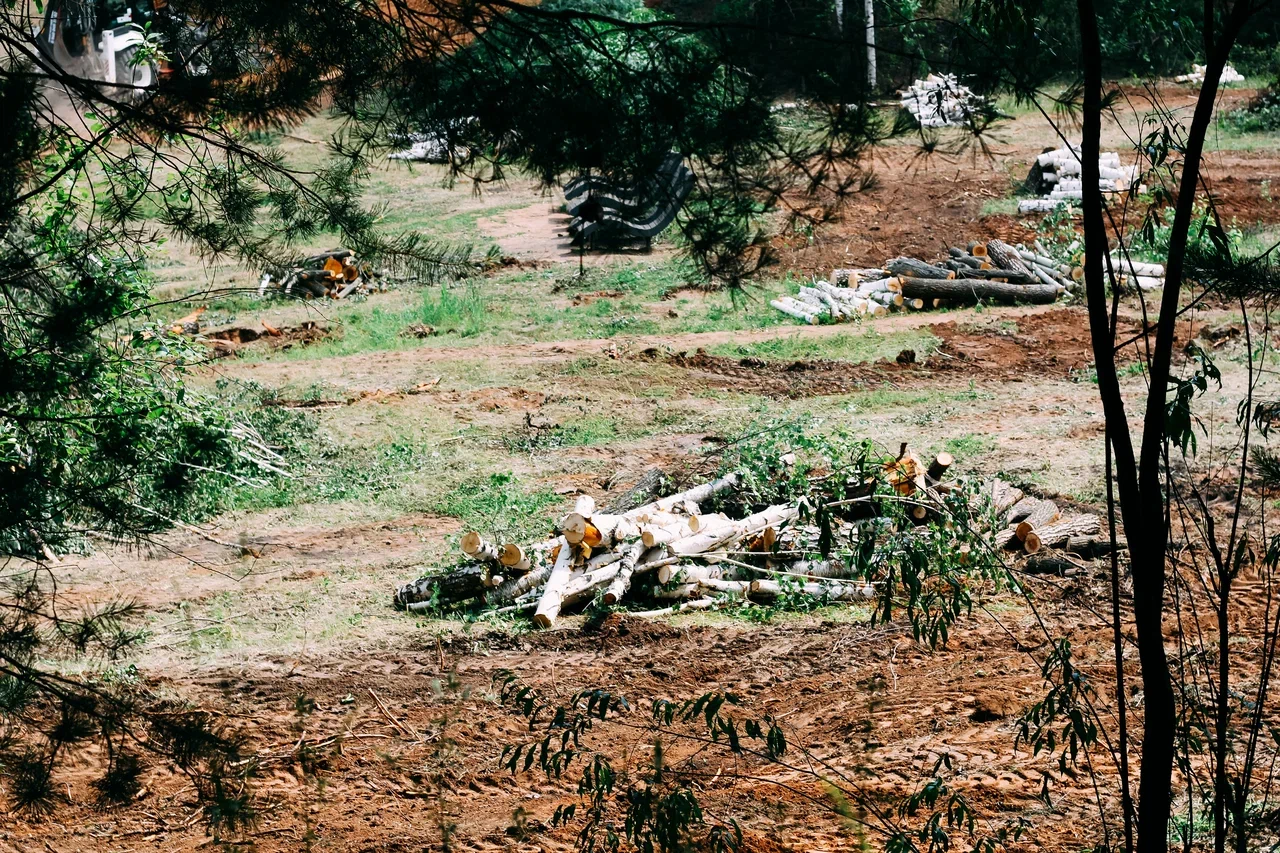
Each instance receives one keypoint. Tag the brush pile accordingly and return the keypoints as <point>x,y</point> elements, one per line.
<point>672,552</point>
<point>940,100</point>
<point>1055,177</point>
<point>335,274</point>
<point>1229,75</point>
<point>981,272</point>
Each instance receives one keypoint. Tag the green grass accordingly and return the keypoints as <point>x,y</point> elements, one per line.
<point>870,345</point>
<point>501,506</point>
<point>969,447</point>
<point>1000,206</point>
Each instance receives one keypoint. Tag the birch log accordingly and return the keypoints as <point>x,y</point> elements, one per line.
<point>799,310</point>
<point>710,539</point>
<point>622,581</point>
<point>475,547</point>
<point>516,587</point>
<point>553,593</point>
<point>697,495</point>
<point>768,589</point>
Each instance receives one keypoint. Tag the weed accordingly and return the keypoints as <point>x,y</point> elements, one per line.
<point>454,309</point>
<point>867,346</point>
<point>500,505</point>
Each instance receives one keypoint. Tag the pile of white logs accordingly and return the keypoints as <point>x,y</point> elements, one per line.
<point>1129,273</point>
<point>982,272</point>
<point>1060,173</point>
<point>940,100</point>
<point>335,274</point>
<point>598,554</point>
<point>1229,75</point>
<point>701,560</point>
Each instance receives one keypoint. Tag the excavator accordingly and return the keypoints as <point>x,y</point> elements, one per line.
<point>100,40</point>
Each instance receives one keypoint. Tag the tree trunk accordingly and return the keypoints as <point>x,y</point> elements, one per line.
<point>917,269</point>
<point>973,290</point>
<point>870,12</point>
<point>652,485</point>
<point>622,581</point>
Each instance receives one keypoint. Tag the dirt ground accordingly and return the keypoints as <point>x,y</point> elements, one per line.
<point>294,601</point>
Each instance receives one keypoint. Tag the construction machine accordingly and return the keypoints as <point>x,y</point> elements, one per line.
<point>100,40</point>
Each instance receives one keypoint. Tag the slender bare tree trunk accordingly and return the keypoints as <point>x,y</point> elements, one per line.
<point>1143,507</point>
<point>871,44</point>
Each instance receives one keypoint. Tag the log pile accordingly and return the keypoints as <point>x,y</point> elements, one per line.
<point>335,274</point>
<point>1029,525</point>
<point>1229,75</point>
<point>940,100</point>
<point>980,272</point>
<point>1129,273</point>
<point>670,551</point>
<point>1055,177</point>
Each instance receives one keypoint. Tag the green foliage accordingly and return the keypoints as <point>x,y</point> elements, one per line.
<point>1179,421</point>
<point>929,571</point>
<point>1260,115</point>
<point>500,505</point>
<point>562,88</point>
<point>461,309</point>
<point>653,806</point>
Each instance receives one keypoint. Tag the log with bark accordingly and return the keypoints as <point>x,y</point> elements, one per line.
<point>974,290</point>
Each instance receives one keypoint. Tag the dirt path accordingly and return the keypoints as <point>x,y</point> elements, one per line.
<point>369,371</point>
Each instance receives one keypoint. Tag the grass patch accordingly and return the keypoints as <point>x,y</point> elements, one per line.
<point>969,447</point>
<point>1000,207</point>
<point>456,311</point>
<point>500,506</point>
<point>870,345</point>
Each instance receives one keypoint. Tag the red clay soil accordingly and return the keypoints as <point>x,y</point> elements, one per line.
<point>880,708</point>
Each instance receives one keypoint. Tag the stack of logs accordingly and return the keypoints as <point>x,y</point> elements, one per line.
<point>700,560</point>
<point>599,554</point>
<point>1196,77</point>
<point>1031,525</point>
<point>940,100</point>
<point>1056,178</point>
<point>982,272</point>
<point>335,274</point>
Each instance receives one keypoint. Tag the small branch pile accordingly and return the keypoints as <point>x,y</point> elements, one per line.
<point>335,274</point>
<point>1229,75</point>
<point>1055,177</point>
<point>698,560</point>
<point>940,100</point>
<point>981,272</point>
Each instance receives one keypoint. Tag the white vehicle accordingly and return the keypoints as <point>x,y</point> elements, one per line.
<point>99,41</point>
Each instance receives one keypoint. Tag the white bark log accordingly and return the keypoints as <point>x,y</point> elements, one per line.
<point>711,539</point>
<point>622,581</point>
<point>697,604</point>
<point>797,310</point>
<point>689,573</point>
<point>696,495</point>
<point>475,547</point>
<point>553,593</point>
<point>770,589</point>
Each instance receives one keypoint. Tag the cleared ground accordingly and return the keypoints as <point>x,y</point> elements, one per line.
<point>552,384</point>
